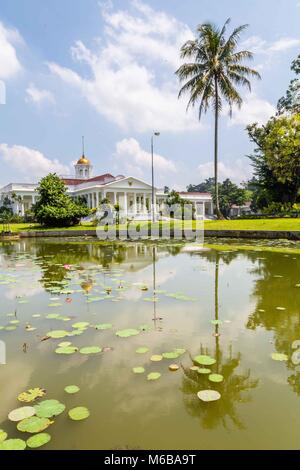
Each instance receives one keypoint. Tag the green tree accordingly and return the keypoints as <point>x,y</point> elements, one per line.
<point>214,71</point>
<point>290,103</point>
<point>277,156</point>
<point>206,187</point>
<point>54,207</point>
<point>230,194</point>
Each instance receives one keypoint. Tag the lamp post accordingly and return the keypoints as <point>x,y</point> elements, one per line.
<point>155,134</point>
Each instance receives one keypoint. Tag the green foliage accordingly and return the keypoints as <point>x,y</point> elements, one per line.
<point>290,103</point>
<point>206,187</point>
<point>276,160</point>
<point>54,207</point>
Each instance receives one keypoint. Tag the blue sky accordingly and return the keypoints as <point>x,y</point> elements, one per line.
<point>106,70</point>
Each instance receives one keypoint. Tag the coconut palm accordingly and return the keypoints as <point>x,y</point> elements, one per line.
<point>215,70</point>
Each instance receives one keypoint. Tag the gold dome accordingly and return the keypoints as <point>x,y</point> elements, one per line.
<point>83,161</point>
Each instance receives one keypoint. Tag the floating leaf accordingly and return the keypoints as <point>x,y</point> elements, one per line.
<point>90,350</point>
<point>57,334</point>
<point>209,395</point>
<point>204,360</point>
<point>217,378</point>
<point>79,413</point>
<point>194,368</point>
<point>80,325</point>
<point>174,367</point>
<point>170,355</point>
<point>104,326</point>
<point>3,435</point>
<point>279,357</point>
<point>127,333</point>
<point>38,440</point>
<point>72,389</point>
<point>13,444</point>
<point>21,413</point>
<point>31,395</point>
<point>33,425</point>
<point>142,350</point>
<point>203,370</point>
<point>49,408</point>
<point>156,358</point>
<point>66,350</point>
<point>65,344</point>
<point>153,376</point>
<point>138,370</point>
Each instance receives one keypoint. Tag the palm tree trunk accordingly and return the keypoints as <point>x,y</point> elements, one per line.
<point>218,212</point>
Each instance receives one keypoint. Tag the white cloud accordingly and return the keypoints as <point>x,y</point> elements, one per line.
<point>125,87</point>
<point>9,62</point>
<point>260,46</point>
<point>39,96</point>
<point>135,159</point>
<point>254,109</point>
<point>237,171</point>
<point>30,162</point>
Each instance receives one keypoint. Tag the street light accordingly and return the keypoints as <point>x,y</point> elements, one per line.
<point>155,134</point>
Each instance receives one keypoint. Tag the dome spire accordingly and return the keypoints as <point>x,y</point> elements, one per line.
<point>83,146</point>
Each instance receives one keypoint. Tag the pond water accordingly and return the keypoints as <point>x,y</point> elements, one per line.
<point>238,304</point>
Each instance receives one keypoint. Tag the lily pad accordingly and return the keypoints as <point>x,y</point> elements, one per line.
<point>38,440</point>
<point>13,444</point>
<point>170,355</point>
<point>217,378</point>
<point>33,425</point>
<point>104,326</point>
<point>142,350</point>
<point>138,370</point>
<point>72,389</point>
<point>209,395</point>
<point>79,413</point>
<point>80,325</point>
<point>90,350</point>
<point>127,333</point>
<point>153,376</point>
<point>279,357</point>
<point>204,360</point>
<point>156,358</point>
<point>65,344</point>
<point>66,350</point>
<point>3,435</point>
<point>49,408</point>
<point>57,334</point>
<point>174,367</point>
<point>21,413</point>
<point>203,370</point>
<point>31,395</point>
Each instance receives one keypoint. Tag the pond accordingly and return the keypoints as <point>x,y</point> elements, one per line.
<point>108,318</point>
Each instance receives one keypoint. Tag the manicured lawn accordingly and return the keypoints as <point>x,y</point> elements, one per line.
<point>259,224</point>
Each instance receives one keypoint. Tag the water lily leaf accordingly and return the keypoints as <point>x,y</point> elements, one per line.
<point>153,376</point>
<point>52,316</point>
<point>127,333</point>
<point>3,435</point>
<point>279,357</point>
<point>34,424</point>
<point>156,358</point>
<point>21,413</point>
<point>209,395</point>
<point>170,355</point>
<point>57,334</point>
<point>180,351</point>
<point>72,389</point>
<point>80,325</point>
<point>174,367</point>
<point>65,344</point>
<point>68,350</point>
<point>194,368</point>
<point>104,326</point>
<point>31,395</point>
<point>38,440</point>
<point>204,360</point>
<point>13,444</point>
<point>138,370</point>
<point>49,408</point>
<point>202,370</point>
<point>79,413</point>
<point>217,378</point>
<point>75,333</point>
<point>90,350</point>
<point>142,350</point>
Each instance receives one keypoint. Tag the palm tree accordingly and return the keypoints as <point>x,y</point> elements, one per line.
<point>211,77</point>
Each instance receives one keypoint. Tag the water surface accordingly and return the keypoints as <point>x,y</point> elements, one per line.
<point>253,290</point>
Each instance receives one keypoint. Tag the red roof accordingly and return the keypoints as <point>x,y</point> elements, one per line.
<point>102,179</point>
<point>191,193</point>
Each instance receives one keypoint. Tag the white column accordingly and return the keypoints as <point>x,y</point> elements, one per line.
<point>115,198</point>
<point>144,203</point>
<point>125,204</point>
<point>97,199</point>
<point>134,204</point>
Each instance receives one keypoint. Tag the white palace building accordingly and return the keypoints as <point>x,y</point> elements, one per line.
<point>133,195</point>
